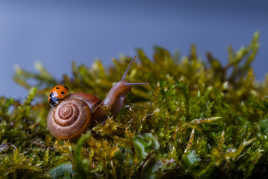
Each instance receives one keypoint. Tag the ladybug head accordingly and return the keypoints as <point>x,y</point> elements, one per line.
<point>53,99</point>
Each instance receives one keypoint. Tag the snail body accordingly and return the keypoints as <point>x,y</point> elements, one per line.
<point>77,111</point>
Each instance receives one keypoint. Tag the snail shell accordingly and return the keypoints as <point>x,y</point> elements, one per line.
<point>72,116</point>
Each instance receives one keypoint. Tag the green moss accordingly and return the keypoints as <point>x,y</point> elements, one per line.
<point>196,119</point>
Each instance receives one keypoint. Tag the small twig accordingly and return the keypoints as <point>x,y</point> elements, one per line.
<point>190,142</point>
<point>205,120</point>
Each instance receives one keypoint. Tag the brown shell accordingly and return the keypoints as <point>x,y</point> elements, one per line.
<point>72,116</point>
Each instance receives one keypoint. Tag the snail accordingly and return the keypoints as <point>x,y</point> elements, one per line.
<point>72,114</point>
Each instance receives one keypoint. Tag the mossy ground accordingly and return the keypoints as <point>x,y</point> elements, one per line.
<point>196,119</point>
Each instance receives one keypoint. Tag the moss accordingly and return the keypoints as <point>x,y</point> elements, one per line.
<point>196,119</point>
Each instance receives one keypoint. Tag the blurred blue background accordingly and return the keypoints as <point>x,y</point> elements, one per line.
<point>58,32</point>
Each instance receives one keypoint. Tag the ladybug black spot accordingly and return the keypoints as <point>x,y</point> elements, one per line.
<point>57,88</point>
<point>62,92</point>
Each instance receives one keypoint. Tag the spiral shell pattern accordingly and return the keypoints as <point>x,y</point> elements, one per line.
<point>69,119</point>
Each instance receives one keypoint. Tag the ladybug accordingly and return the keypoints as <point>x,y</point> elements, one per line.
<point>57,94</point>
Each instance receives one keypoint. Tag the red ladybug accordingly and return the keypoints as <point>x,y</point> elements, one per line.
<point>57,94</point>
